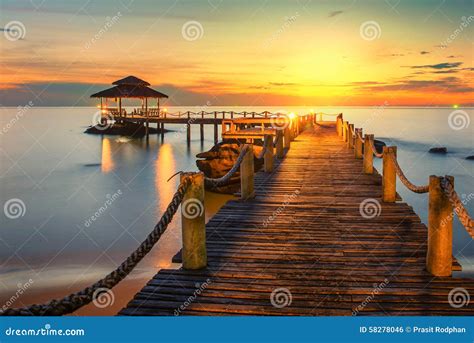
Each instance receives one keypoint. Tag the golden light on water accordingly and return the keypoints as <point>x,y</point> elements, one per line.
<point>165,166</point>
<point>107,162</point>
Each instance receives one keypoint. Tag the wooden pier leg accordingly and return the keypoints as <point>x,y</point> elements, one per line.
<point>279,144</point>
<point>201,129</point>
<point>368,165</point>
<point>358,144</point>
<point>287,138</point>
<point>246,175</point>
<point>268,156</point>
<point>389,180</point>
<point>216,132</point>
<point>350,136</point>
<point>188,133</point>
<point>440,230</point>
<point>344,131</point>
<point>194,253</point>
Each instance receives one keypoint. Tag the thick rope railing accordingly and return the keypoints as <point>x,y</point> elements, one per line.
<point>374,150</point>
<point>79,299</point>
<point>458,206</point>
<point>412,187</point>
<point>210,182</point>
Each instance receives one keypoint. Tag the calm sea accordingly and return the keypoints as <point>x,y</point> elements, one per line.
<point>63,177</point>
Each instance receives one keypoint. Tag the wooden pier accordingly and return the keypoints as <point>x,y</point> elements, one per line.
<point>317,239</point>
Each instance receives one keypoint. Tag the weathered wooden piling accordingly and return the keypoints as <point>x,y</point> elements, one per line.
<point>247,175</point>
<point>279,144</point>
<point>350,136</point>
<point>440,229</point>
<point>368,163</point>
<point>287,137</point>
<point>194,253</point>
<point>389,180</point>
<point>268,155</point>
<point>358,144</point>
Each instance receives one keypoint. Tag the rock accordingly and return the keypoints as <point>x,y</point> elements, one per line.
<point>470,157</point>
<point>123,129</point>
<point>219,160</point>
<point>438,150</point>
<point>379,145</point>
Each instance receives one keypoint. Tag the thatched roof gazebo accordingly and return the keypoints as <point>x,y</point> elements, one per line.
<point>130,87</point>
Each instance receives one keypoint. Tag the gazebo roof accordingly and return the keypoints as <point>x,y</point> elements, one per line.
<point>129,91</point>
<point>131,80</point>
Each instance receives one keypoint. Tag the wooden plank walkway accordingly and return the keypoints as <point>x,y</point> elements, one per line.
<point>304,233</point>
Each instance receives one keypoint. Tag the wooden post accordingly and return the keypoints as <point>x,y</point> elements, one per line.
<point>287,138</point>
<point>216,130</point>
<point>368,165</point>
<point>146,113</point>
<point>389,180</point>
<point>292,129</point>
<point>201,127</point>
<point>344,131</point>
<point>279,144</point>
<point>358,144</point>
<point>188,129</point>
<point>440,230</point>
<point>194,254</point>
<point>268,156</point>
<point>246,175</point>
<point>350,136</point>
<point>120,107</point>
<point>231,114</point>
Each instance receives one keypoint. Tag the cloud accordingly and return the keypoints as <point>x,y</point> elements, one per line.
<point>424,52</point>
<point>282,84</point>
<point>449,84</point>
<point>445,65</point>
<point>334,13</point>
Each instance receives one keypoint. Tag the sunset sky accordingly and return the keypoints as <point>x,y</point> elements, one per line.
<point>228,52</point>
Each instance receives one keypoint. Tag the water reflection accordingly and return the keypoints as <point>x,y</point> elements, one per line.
<point>107,163</point>
<point>165,166</point>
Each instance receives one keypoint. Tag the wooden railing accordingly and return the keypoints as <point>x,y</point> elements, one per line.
<point>443,202</point>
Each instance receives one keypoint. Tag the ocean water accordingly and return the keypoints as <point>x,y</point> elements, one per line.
<point>61,177</point>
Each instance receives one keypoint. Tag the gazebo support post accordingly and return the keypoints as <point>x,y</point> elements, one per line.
<point>146,114</point>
